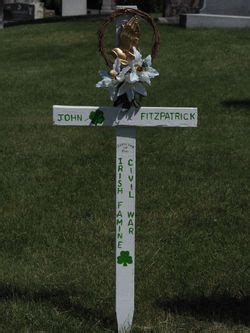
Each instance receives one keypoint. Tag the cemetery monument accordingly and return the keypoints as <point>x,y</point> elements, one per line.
<point>106,7</point>
<point>177,7</point>
<point>74,7</point>
<point>18,10</point>
<point>126,79</point>
<point>1,13</point>
<point>223,13</point>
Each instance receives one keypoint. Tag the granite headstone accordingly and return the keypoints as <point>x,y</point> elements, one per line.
<point>74,7</point>
<point>219,14</point>
<point>227,7</point>
<point>18,12</point>
<point>177,7</point>
<point>1,13</point>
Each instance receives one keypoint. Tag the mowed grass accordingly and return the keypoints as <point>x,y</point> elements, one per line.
<point>57,198</point>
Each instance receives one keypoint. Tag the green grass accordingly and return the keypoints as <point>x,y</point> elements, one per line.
<point>57,204</point>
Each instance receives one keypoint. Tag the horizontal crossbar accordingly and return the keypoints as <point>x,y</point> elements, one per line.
<point>114,116</point>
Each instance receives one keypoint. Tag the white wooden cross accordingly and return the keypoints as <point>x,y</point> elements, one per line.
<point>125,122</point>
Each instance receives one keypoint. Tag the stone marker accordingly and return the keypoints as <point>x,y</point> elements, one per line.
<point>22,10</point>
<point>125,120</point>
<point>220,14</point>
<point>19,12</point>
<point>1,13</point>
<point>106,7</point>
<point>177,7</point>
<point>174,8</point>
<point>226,7</point>
<point>74,7</point>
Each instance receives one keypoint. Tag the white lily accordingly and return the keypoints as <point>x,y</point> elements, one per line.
<point>130,89</point>
<point>109,81</point>
<point>128,80</point>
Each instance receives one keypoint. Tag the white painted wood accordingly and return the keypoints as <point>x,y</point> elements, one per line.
<point>125,226</point>
<point>125,205</point>
<point>125,121</point>
<point>115,117</point>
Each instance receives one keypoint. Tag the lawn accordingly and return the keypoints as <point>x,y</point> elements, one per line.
<point>57,203</point>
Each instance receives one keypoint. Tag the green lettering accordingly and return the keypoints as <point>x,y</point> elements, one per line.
<point>167,116</point>
<point>177,116</point>
<point>119,221</point>
<point>119,236</point>
<point>130,222</point>
<point>119,204</point>
<point>60,116</point>
<point>131,231</point>
<point>157,115</point>
<point>130,195</point>
<point>131,215</point>
<point>130,162</point>
<point>119,214</point>
<point>192,116</point>
<point>73,117</point>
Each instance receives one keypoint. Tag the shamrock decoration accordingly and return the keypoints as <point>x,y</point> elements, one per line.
<point>124,258</point>
<point>96,117</point>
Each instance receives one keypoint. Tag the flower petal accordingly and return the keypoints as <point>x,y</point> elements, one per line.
<point>104,83</point>
<point>121,76</point>
<point>112,93</point>
<point>137,55</point>
<point>133,77</point>
<point>139,88</point>
<point>103,73</point>
<point>148,60</point>
<point>144,77</point>
<point>117,65</point>
<point>152,72</point>
<point>130,93</point>
<point>123,89</point>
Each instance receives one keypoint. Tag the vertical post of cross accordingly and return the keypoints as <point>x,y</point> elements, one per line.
<point>125,216</point>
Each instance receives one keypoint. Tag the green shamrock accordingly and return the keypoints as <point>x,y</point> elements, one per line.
<point>96,117</point>
<point>124,258</point>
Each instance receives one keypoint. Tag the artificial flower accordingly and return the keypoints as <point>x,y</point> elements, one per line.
<point>128,80</point>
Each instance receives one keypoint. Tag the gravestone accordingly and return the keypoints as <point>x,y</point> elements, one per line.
<point>1,13</point>
<point>177,7</point>
<point>227,7</point>
<point>19,10</point>
<point>106,7</point>
<point>220,14</point>
<point>74,7</point>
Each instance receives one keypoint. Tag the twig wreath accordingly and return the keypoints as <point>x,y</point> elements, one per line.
<point>122,12</point>
<point>129,71</point>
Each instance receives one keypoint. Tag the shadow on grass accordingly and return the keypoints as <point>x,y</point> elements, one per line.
<point>234,103</point>
<point>62,300</point>
<point>219,308</point>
